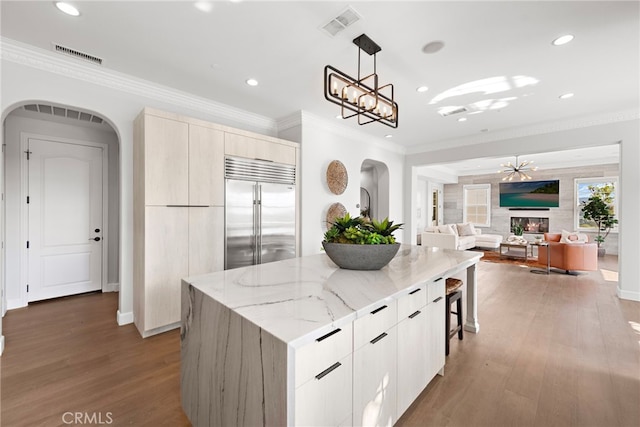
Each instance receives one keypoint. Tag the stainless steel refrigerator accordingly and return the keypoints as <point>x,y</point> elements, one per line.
<point>260,212</point>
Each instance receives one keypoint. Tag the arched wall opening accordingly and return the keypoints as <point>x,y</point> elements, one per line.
<point>374,188</point>
<point>61,123</point>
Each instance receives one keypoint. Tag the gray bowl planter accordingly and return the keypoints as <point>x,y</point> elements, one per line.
<point>360,257</point>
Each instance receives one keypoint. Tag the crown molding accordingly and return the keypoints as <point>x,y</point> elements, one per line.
<point>335,127</point>
<point>43,60</point>
<point>289,121</point>
<point>524,131</point>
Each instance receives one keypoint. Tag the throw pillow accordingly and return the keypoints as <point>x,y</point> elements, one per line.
<point>466,229</point>
<point>446,229</point>
<point>572,237</point>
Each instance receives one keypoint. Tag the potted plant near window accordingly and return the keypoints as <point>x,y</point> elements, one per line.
<point>599,209</point>
<point>360,243</point>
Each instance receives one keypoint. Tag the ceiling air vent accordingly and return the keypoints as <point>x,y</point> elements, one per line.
<point>77,54</point>
<point>342,21</point>
<point>448,111</point>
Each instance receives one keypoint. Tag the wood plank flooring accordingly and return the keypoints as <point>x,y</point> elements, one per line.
<point>552,350</point>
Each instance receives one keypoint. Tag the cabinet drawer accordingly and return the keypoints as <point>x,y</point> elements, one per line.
<point>326,401</point>
<point>252,148</point>
<point>317,356</point>
<point>412,301</point>
<point>435,290</point>
<point>371,325</point>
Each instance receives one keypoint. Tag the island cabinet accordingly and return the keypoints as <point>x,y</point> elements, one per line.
<point>375,382</point>
<point>413,346</point>
<point>179,197</point>
<point>323,379</point>
<point>302,343</point>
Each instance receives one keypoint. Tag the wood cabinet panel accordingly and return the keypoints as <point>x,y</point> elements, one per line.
<point>412,301</point>
<point>436,334</point>
<point>252,148</point>
<point>206,240</point>
<point>166,263</point>
<point>380,318</point>
<point>206,166</point>
<point>166,161</point>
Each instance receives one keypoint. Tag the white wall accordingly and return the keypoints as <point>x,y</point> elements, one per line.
<point>30,74</point>
<point>324,141</point>
<point>593,133</point>
<point>14,127</point>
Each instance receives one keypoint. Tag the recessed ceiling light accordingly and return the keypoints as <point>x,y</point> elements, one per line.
<point>203,6</point>
<point>67,8</point>
<point>388,135</point>
<point>566,96</point>
<point>562,40</point>
<point>433,46</point>
<point>422,89</point>
<point>462,119</point>
<point>252,82</point>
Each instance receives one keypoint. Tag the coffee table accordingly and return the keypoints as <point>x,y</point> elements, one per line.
<point>515,254</point>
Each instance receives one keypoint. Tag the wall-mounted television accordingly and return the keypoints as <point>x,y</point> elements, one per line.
<point>530,194</point>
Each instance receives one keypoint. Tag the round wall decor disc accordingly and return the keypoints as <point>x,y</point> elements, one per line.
<point>336,210</point>
<point>337,177</point>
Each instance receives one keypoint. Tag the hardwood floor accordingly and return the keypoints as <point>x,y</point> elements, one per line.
<point>552,350</point>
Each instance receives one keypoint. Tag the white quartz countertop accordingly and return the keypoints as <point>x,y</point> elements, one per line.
<point>297,299</point>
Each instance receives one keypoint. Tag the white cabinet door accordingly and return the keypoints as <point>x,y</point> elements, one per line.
<point>206,166</point>
<point>413,350</point>
<point>436,335</point>
<point>206,239</point>
<point>375,381</point>
<point>166,161</point>
<point>325,399</point>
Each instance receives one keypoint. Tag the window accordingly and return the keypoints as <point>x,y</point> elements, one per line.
<point>477,204</point>
<point>582,194</point>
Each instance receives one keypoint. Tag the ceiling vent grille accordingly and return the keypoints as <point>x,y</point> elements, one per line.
<point>63,112</point>
<point>77,54</point>
<point>342,21</point>
<point>449,111</point>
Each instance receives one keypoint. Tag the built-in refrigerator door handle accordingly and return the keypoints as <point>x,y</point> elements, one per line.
<point>259,224</point>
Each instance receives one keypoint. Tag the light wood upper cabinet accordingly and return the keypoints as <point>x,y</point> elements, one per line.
<point>252,148</point>
<point>166,161</point>
<point>206,166</point>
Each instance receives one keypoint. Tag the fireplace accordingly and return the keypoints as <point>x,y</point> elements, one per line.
<point>530,224</point>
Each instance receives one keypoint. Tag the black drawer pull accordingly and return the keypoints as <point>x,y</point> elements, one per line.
<point>411,316</point>
<point>378,338</point>
<point>414,291</point>
<point>378,309</point>
<point>328,370</point>
<point>437,299</point>
<point>437,280</point>
<point>335,331</point>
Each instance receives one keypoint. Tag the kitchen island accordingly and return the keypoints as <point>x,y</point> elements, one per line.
<point>303,342</point>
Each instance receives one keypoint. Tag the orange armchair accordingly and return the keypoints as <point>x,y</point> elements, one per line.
<point>569,257</point>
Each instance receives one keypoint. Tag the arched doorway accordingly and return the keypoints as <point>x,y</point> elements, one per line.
<point>374,189</point>
<point>66,156</point>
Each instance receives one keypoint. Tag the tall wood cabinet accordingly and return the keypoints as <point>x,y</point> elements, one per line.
<point>179,206</point>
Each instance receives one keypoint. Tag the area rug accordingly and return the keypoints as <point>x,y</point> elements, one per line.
<point>494,256</point>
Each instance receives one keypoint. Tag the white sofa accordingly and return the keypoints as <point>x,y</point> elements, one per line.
<point>459,236</point>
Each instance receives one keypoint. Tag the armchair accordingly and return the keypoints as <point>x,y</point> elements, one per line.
<point>567,256</point>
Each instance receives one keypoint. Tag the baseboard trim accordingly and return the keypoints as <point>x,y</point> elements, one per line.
<point>630,295</point>
<point>111,287</point>
<point>125,318</point>
<point>160,330</point>
<point>15,303</point>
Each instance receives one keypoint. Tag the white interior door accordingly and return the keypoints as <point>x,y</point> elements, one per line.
<point>64,219</point>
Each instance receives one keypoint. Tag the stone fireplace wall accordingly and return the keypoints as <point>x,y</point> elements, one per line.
<point>560,218</point>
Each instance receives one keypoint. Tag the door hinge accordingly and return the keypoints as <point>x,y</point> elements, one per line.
<point>28,154</point>
<point>27,244</point>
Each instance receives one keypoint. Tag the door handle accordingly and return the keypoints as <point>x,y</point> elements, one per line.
<point>97,239</point>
